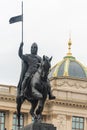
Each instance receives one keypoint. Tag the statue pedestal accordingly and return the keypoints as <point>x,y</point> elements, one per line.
<point>39,126</point>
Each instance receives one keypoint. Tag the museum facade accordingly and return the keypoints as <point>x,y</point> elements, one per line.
<point>68,111</point>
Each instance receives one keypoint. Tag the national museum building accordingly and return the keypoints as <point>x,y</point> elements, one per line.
<point>68,111</point>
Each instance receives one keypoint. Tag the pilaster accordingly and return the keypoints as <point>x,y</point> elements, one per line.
<point>10,120</point>
<point>69,122</point>
<point>85,123</point>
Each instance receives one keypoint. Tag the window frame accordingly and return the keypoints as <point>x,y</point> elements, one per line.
<point>77,123</point>
<point>2,122</point>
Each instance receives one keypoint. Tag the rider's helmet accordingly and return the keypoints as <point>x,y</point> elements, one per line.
<point>34,48</point>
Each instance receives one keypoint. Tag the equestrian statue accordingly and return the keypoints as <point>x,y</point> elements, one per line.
<point>34,85</point>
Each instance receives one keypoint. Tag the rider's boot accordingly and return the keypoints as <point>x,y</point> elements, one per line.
<point>51,96</point>
<point>36,94</point>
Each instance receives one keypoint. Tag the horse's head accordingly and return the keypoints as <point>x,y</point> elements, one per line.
<point>45,65</point>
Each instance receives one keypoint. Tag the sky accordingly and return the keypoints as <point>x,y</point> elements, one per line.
<point>46,22</point>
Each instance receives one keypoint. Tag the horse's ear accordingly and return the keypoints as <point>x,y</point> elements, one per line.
<point>50,58</point>
<point>43,57</point>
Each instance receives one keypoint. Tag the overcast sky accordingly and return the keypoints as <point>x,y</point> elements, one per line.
<point>46,22</point>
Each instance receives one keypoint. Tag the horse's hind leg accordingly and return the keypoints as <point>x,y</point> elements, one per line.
<point>33,106</point>
<point>18,113</point>
<point>19,104</point>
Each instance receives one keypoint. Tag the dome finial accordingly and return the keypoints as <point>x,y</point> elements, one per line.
<point>69,45</point>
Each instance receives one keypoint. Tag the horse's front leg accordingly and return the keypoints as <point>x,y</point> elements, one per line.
<point>40,109</point>
<point>33,106</point>
<point>41,102</point>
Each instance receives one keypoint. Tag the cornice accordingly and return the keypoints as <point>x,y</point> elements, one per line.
<point>10,98</point>
<point>67,77</point>
<point>59,102</point>
<point>66,103</point>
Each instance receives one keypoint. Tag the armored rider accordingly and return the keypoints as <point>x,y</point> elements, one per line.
<point>31,65</point>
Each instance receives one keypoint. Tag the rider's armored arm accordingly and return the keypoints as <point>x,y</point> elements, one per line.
<point>20,53</point>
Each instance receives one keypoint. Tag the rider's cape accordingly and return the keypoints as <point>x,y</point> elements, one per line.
<point>23,71</point>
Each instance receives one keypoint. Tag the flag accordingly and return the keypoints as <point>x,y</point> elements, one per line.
<point>16,19</point>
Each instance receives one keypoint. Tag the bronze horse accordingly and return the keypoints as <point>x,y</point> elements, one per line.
<point>40,83</point>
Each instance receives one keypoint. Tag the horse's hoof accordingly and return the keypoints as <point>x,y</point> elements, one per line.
<point>39,118</point>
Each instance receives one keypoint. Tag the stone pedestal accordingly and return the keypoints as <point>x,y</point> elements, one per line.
<point>39,126</point>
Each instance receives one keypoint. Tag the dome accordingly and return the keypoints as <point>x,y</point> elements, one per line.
<point>69,66</point>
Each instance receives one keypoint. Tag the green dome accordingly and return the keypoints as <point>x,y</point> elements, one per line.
<point>70,67</point>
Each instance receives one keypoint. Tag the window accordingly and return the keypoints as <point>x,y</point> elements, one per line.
<point>77,123</point>
<point>2,120</point>
<point>15,122</point>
